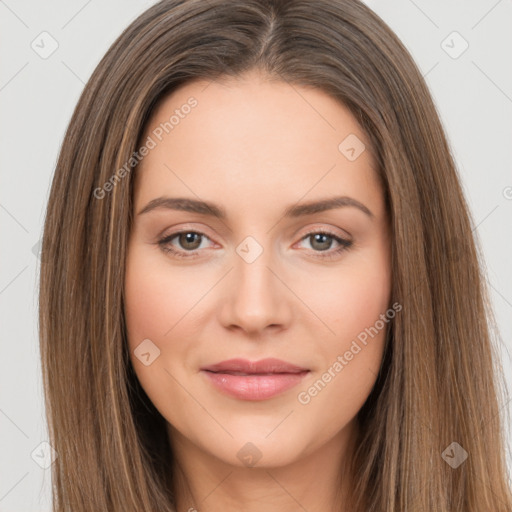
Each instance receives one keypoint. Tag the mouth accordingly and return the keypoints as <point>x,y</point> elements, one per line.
<point>259,380</point>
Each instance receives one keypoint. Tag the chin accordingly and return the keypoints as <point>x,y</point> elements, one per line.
<point>265,453</point>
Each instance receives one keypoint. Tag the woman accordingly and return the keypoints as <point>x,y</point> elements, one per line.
<point>259,285</point>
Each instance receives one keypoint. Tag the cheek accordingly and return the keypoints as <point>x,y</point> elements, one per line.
<point>354,304</point>
<point>358,301</point>
<point>156,304</point>
<point>156,299</point>
<point>351,298</point>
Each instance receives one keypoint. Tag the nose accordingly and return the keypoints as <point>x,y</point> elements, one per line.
<point>257,300</point>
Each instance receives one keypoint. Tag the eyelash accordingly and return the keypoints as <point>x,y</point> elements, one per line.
<point>164,244</point>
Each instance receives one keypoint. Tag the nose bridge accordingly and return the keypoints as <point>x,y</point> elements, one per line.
<point>257,299</point>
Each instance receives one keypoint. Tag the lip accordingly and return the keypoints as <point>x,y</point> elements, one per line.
<point>254,380</point>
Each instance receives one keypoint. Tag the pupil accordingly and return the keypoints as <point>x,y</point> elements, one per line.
<point>189,239</point>
<point>318,238</point>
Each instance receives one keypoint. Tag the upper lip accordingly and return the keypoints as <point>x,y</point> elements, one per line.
<point>263,366</point>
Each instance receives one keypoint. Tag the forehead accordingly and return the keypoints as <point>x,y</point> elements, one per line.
<point>254,137</point>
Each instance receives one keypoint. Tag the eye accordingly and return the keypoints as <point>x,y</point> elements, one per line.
<point>190,242</point>
<point>322,241</point>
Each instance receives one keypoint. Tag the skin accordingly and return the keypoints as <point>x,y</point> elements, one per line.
<point>255,147</point>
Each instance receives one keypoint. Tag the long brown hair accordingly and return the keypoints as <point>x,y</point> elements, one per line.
<point>438,382</point>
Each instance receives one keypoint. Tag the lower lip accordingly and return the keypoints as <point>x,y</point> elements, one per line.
<point>254,387</point>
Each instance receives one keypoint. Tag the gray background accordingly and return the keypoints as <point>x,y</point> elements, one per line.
<point>472,90</point>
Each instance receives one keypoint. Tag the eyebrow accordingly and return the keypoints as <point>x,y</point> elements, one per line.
<point>217,211</point>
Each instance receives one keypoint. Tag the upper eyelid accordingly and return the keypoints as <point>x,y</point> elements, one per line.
<point>172,235</point>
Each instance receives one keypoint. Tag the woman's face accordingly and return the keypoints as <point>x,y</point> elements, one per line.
<point>262,273</point>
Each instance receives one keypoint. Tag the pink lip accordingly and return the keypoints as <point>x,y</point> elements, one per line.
<point>258,380</point>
